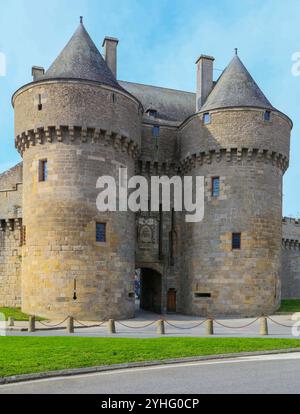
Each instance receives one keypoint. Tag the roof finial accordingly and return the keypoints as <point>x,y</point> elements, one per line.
<point>81,19</point>
<point>236,51</point>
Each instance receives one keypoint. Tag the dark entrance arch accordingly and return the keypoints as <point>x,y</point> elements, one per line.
<point>151,290</point>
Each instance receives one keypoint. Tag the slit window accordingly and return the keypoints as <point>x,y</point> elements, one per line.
<point>23,236</point>
<point>215,192</point>
<point>267,116</point>
<point>236,241</point>
<point>202,295</point>
<point>43,170</point>
<point>101,232</point>
<point>40,105</point>
<point>206,118</point>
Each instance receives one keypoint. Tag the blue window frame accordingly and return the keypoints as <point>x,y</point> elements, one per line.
<point>267,116</point>
<point>206,118</point>
<point>215,191</point>
<point>156,131</point>
<point>101,232</point>
<point>236,241</point>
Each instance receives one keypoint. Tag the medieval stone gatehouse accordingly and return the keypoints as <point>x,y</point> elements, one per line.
<point>75,123</point>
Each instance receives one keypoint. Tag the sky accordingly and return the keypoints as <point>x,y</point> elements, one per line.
<point>160,41</point>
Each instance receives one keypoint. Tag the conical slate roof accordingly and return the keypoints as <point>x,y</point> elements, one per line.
<point>81,59</point>
<point>236,88</point>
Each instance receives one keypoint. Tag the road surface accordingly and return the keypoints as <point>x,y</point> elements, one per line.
<point>257,374</point>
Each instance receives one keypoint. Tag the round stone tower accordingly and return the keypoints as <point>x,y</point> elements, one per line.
<point>240,143</point>
<point>74,124</point>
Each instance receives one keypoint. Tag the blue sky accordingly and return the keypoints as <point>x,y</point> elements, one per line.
<point>159,43</point>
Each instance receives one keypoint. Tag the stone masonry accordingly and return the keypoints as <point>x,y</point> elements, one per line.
<point>85,124</point>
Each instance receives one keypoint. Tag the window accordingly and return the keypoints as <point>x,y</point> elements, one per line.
<point>156,131</point>
<point>43,170</point>
<point>40,105</point>
<point>215,187</point>
<point>267,116</point>
<point>23,236</point>
<point>206,118</point>
<point>101,232</point>
<point>202,295</point>
<point>152,113</point>
<point>236,241</point>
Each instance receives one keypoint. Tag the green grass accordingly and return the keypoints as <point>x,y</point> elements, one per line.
<point>24,355</point>
<point>16,314</point>
<point>291,306</point>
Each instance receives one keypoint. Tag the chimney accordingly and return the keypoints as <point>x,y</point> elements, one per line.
<point>205,66</point>
<point>37,72</point>
<point>110,53</point>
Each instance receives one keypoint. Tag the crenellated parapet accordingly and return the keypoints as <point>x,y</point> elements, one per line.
<point>291,232</point>
<point>76,135</point>
<point>10,225</point>
<point>156,168</point>
<point>236,155</point>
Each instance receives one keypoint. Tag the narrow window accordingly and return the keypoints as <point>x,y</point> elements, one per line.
<point>23,236</point>
<point>40,105</point>
<point>236,241</point>
<point>101,232</point>
<point>202,295</point>
<point>156,131</point>
<point>206,118</point>
<point>267,116</point>
<point>215,187</point>
<point>43,170</point>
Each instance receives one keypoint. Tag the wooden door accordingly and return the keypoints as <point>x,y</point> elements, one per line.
<point>171,305</point>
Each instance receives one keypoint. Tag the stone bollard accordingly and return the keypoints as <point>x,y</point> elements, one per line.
<point>161,327</point>
<point>111,327</point>
<point>209,327</point>
<point>70,325</point>
<point>263,326</point>
<point>31,325</point>
<point>10,321</point>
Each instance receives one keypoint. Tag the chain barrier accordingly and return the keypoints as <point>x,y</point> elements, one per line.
<point>53,326</point>
<point>235,327</point>
<point>185,327</point>
<point>90,326</point>
<point>169,323</point>
<point>136,327</point>
<point>278,323</point>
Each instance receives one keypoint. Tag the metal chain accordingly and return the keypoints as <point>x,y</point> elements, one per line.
<point>89,326</point>
<point>53,326</point>
<point>185,327</point>
<point>236,327</point>
<point>278,323</point>
<point>136,327</point>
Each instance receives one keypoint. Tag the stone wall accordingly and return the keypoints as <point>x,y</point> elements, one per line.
<point>10,232</point>
<point>290,272</point>
<point>240,149</point>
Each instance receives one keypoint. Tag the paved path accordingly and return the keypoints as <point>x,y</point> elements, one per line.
<point>179,321</point>
<point>259,375</point>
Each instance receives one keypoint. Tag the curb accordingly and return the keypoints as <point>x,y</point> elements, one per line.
<point>107,368</point>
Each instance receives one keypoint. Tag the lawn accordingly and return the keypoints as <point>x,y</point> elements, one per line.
<point>291,306</point>
<point>16,314</point>
<point>20,355</point>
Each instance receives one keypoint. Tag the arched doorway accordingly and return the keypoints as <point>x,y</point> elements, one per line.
<point>150,290</point>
